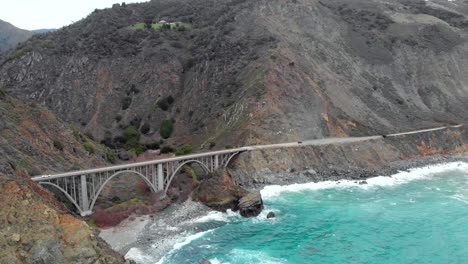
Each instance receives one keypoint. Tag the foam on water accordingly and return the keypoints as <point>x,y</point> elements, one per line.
<point>402,177</point>
<point>138,256</point>
<point>216,216</point>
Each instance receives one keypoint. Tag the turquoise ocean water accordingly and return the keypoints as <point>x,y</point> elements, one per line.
<point>419,216</point>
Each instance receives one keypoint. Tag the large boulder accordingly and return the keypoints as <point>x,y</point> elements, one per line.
<point>251,205</point>
<point>219,192</point>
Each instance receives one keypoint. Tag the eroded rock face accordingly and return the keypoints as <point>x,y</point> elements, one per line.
<point>34,232</point>
<point>251,205</point>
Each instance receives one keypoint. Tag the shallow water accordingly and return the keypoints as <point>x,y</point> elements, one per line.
<point>420,216</point>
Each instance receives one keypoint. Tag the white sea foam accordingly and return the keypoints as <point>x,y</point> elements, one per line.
<point>460,197</point>
<point>402,177</point>
<point>187,240</point>
<point>138,256</point>
<point>216,216</point>
<point>190,239</point>
<point>253,256</point>
<point>217,261</point>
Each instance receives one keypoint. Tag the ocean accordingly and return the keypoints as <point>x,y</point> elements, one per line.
<point>415,216</point>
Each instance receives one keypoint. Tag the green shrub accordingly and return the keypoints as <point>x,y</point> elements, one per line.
<point>110,156</point>
<point>88,146</point>
<point>153,145</point>
<point>212,144</point>
<point>163,104</point>
<point>167,127</point>
<point>118,118</point>
<point>58,145</point>
<point>228,147</point>
<point>139,149</point>
<point>21,52</point>
<point>184,150</point>
<point>167,149</point>
<point>131,132</point>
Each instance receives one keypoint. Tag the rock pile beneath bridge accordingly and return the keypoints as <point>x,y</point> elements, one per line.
<point>219,192</point>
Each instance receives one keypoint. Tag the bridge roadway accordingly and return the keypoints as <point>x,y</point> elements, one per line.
<point>83,187</point>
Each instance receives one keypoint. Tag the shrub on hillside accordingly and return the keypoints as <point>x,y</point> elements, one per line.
<point>88,146</point>
<point>153,145</point>
<point>184,150</point>
<point>167,149</point>
<point>145,128</point>
<point>167,127</point>
<point>126,102</point>
<point>58,145</point>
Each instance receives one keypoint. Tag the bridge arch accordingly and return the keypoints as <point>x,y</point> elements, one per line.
<point>230,158</point>
<point>96,195</point>
<point>66,194</point>
<point>174,173</point>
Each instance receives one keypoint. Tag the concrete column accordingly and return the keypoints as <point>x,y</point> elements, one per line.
<point>153,177</point>
<point>84,196</point>
<point>216,162</point>
<point>160,177</point>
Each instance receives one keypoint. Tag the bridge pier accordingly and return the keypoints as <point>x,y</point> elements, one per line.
<point>160,178</point>
<point>84,196</point>
<point>216,162</point>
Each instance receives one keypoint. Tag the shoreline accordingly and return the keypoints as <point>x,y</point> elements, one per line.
<point>174,223</point>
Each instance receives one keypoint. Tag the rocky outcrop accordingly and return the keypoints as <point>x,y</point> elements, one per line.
<point>251,205</point>
<point>219,192</point>
<point>37,230</point>
<point>271,215</point>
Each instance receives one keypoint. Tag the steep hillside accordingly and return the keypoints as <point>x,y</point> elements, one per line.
<point>11,35</point>
<point>33,141</point>
<point>241,71</point>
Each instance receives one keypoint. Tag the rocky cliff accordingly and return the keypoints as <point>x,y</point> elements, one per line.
<point>236,71</point>
<point>11,35</point>
<point>37,229</point>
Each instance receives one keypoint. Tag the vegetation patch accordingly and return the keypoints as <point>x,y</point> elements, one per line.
<point>179,26</point>
<point>58,145</point>
<point>154,145</point>
<point>20,53</point>
<point>89,147</point>
<point>167,149</point>
<point>167,127</point>
<point>185,149</point>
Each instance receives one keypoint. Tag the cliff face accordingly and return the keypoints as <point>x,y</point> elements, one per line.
<point>37,230</point>
<point>11,35</point>
<point>251,71</point>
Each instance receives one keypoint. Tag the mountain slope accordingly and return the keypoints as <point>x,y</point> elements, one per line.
<point>11,35</point>
<point>245,72</point>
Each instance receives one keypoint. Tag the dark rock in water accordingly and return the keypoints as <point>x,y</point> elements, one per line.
<point>251,205</point>
<point>204,261</point>
<point>271,215</point>
<point>362,182</point>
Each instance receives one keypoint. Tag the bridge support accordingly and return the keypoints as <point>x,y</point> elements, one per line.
<point>216,162</point>
<point>160,178</point>
<point>84,197</point>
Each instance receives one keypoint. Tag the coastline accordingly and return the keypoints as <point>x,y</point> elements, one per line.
<point>354,174</point>
<point>175,224</point>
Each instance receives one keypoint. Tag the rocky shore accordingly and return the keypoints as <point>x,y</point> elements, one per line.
<point>165,230</point>
<point>356,174</point>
